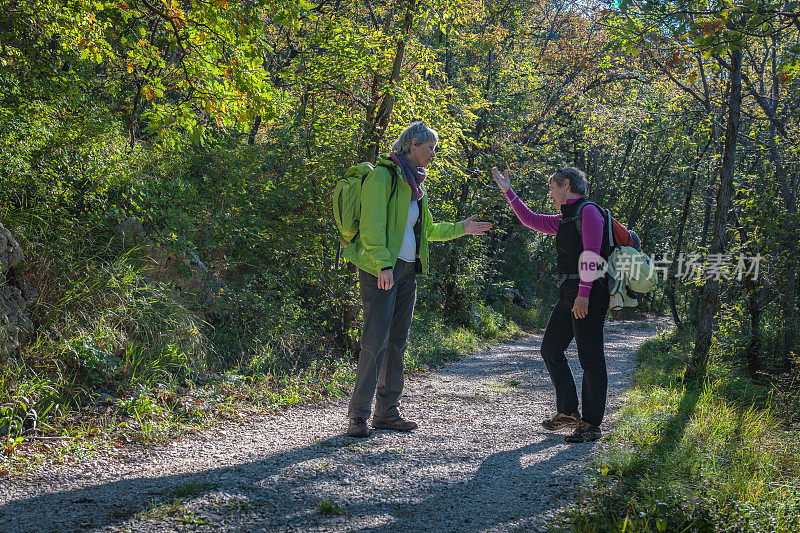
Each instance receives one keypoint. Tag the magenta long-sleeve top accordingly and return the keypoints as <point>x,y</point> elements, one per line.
<point>591,223</point>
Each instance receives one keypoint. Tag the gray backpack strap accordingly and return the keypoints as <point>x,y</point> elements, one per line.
<point>605,213</point>
<point>576,218</point>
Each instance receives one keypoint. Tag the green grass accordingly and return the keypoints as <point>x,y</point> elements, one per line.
<point>499,388</point>
<point>160,413</point>
<point>238,506</point>
<point>705,456</point>
<point>191,488</point>
<point>433,342</point>
<point>329,507</point>
<point>174,510</point>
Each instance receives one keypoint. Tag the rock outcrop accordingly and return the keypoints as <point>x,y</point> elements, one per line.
<point>15,325</point>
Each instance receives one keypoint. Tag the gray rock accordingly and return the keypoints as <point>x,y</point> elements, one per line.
<point>130,230</point>
<point>10,250</point>
<point>15,325</point>
<point>29,293</point>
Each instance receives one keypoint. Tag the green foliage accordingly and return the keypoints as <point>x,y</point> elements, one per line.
<point>487,322</point>
<point>434,341</point>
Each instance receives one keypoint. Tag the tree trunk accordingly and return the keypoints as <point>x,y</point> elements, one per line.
<point>708,202</point>
<point>753,348</point>
<point>472,150</point>
<point>658,171</point>
<point>376,125</point>
<point>790,238</point>
<point>670,286</point>
<point>698,362</point>
<point>251,137</point>
<point>133,121</point>
<point>790,314</point>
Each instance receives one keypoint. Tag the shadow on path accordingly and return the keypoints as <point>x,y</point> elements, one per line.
<point>508,489</point>
<point>472,505</point>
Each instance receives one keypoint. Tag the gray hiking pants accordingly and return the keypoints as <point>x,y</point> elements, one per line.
<point>387,321</point>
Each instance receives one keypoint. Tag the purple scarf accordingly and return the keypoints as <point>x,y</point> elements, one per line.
<point>414,176</point>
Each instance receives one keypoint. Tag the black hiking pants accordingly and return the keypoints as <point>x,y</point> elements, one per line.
<point>588,335</point>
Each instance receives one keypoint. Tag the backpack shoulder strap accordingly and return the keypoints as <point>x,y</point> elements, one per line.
<point>393,171</point>
<point>605,213</point>
<point>576,218</point>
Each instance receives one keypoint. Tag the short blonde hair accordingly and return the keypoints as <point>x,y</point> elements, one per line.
<point>416,131</point>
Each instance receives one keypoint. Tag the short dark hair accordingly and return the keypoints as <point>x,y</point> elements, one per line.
<point>576,177</point>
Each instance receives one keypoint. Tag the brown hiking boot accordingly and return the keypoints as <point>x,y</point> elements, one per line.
<point>358,427</point>
<point>395,423</point>
<point>585,432</point>
<point>561,421</point>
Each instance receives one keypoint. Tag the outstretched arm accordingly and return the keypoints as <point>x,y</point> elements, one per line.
<point>444,231</point>
<point>544,223</point>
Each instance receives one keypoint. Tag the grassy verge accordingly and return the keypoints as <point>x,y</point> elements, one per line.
<point>433,342</point>
<point>187,398</point>
<point>710,456</point>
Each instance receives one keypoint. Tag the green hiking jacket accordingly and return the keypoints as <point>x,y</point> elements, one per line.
<point>383,223</point>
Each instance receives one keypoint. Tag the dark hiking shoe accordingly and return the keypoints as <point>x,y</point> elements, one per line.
<point>395,423</point>
<point>358,427</point>
<point>561,421</point>
<point>585,432</point>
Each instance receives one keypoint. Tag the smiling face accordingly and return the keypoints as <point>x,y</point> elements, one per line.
<point>558,193</point>
<point>421,155</point>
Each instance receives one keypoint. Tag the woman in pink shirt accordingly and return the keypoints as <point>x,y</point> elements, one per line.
<point>582,300</point>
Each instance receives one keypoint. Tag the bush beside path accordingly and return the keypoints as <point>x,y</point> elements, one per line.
<point>480,461</point>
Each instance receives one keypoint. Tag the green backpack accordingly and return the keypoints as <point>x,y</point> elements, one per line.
<point>347,201</point>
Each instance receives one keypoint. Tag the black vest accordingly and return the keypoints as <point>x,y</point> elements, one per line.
<point>569,244</point>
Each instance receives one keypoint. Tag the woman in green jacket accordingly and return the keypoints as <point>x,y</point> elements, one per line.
<point>390,250</point>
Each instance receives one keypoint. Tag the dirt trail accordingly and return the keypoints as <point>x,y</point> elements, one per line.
<point>480,461</point>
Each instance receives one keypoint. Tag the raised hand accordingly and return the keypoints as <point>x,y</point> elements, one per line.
<point>471,227</point>
<point>502,180</point>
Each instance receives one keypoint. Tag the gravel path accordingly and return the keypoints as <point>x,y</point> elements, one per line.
<point>479,462</point>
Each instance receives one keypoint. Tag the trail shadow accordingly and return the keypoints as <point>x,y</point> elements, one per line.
<point>505,489</point>
<point>502,491</point>
<point>503,482</point>
<point>664,454</point>
<point>101,505</point>
<point>674,429</point>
